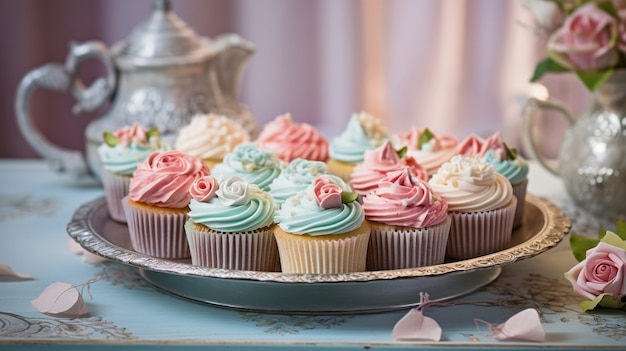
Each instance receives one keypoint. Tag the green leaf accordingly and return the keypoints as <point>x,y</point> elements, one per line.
<point>511,153</point>
<point>110,139</point>
<point>620,228</point>
<point>594,79</point>
<point>580,244</point>
<point>604,300</point>
<point>348,196</point>
<point>424,138</point>
<point>545,66</point>
<point>613,239</point>
<point>402,152</point>
<point>607,6</point>
<point>154,131</point>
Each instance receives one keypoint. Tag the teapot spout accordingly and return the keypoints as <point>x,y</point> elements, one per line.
<point>233,53</point>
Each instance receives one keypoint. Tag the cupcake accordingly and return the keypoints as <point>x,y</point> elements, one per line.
<point>230,225</point>
<point>409,223</point>
<point>363,132</point>
<point>250,162</point>
<point>210,137</point>
<point>120,153</point>
<point>481,203</point>
<point>322,231</point>
<point>157,203</point>
<point>377,163</point>
<point>297,176</point>
<point>514,167</point>
<point>429,150</point>
<point>290,140</point>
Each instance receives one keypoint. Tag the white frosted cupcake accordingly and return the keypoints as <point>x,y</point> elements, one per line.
<point>481,204</point>
<point>322,231</point>
<point>210,137</point>
<point>120,153</point>
<point>410,223</point>
<point>230,225</point>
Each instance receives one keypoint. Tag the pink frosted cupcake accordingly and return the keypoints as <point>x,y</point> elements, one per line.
<point>377,163</point>
<point>481,203</point>
<point>290,140</point>
<point>230,225</point>
<point>409,223</point>
<point>471,146</point>
<point>157,203</point>
<point>428,149</point>
<point>120,153</point>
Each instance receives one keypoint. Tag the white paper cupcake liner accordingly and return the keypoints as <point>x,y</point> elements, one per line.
<point>519,191</point>
<point>157,233</point>
<point>252,251</point>
<point>395,247</point>
<point>328,256</point>
<point>474,234</point>
<point>115,189</point>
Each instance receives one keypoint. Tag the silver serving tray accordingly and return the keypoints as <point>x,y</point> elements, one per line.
<point>544,226</point>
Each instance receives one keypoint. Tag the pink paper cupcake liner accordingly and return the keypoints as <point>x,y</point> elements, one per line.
<point>252,251</point>
<point>157,233</point>
<point>519,191</point>
<point>115,189</point>
<point>395,247</point>
<point>474,234</point>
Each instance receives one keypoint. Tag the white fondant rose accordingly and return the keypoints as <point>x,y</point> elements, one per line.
<point>234,191</point>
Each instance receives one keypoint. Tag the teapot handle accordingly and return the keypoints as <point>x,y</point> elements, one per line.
<point>232,53</point>
<point>65,78</point>
<point>528,113</point>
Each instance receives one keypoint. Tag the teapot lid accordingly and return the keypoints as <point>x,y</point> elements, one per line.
<point>161,39</point>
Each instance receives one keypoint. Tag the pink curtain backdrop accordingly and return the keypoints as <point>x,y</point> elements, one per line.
<point>455,66</point>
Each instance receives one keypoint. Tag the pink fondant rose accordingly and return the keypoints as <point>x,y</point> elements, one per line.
<point>602,272</point>
<point>234,191</point>
<point>134,133</point>
<point>587,40</point>
<point>204,188</point>
<point>326,193</point>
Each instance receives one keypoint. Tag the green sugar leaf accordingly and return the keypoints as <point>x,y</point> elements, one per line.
<point>402,152</point>
<point>580,244</point>
<point>154,131</point>
<point>110,139</point>
<point>511,153</point>
<point>348,196</point>
<point>424,138</point>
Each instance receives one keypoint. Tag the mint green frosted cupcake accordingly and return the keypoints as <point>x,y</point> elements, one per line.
<point>230,225</point>
<point>250,162</point>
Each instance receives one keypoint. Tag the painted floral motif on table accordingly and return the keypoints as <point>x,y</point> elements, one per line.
<point>14,206</point>
<point>293,324</point>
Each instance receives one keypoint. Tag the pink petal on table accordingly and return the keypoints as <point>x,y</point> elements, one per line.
<point>524,325</point>
<point>7,274</point>
<point>415,326</point>
<point>60,300</point>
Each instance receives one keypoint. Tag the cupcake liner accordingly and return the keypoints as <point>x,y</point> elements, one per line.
<point>251,250</point>
<point>157,232</point>
<point>323,254</point>
<point>115,189</point>
<point>474,234</point>
<point>397,247</point>
<point>519,191</point>
<point>340,169</point>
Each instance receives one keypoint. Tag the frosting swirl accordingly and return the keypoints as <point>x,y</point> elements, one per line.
<point>210,136</point>
<point>237,206</point>
<point>377,163</point>
<point>249,161</point>
<point>515,170</point>
<point>133,146</point>
<point>431,154</point>
<point>301,214</point>
<point>297,176</point>
<point>291,140</point>
<point>363,132</point>
<point>469,184</point>
<point>164,179</point>
<point>403,200</point>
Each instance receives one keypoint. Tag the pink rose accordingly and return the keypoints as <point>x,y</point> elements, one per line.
<point>602,272</point>
<point>326,193</point>
<point>134,133</point>
<point>586,41</point>
<point>204,188</point>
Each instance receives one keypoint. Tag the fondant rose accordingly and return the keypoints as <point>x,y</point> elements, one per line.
<point>204,188</point>
<point>253,158</point>
<point>129,134</point>
<point>602,272</point>
<point>326,193</point>
<point>234,191</point>
<point>587,39</point>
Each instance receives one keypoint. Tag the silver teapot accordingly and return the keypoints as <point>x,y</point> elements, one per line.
<point>160,76</point>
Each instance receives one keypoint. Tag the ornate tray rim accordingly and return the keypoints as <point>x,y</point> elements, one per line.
<point>554,229</point>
